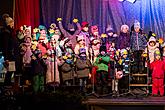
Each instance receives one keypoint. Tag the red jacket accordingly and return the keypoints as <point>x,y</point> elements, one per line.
<point>158,69</point>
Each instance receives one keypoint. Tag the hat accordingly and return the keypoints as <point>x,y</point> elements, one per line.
<point>109,29</point>
<point>8,20</point>
<point>123,52</point>
<point>136,24</point>
<point>80,37</point>
<point>41,27</point>
<point>157,52</point>
<point>103,48</point>
<point>4,16</point>
<point>152,39</point>
<point>124,26</point>
<point>84,24</point>
<point>94,29</point>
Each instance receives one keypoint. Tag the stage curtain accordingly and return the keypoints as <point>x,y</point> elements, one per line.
<point>150,13</point>
<point>27,12</point>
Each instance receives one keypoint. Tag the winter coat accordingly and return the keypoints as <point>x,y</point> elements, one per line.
<point>38,66</point>
<point>112,38</point>
<point>68,35</point>
<point>83,67</point>
<point>43,47</point>
<point>158,69</point>
<point>137,43</point>
<point>7,42</point>
<point>67,72</point>
<point>102,63</point>
<point>151,50</point>
<point>126,65</point>
<point>123,41</point>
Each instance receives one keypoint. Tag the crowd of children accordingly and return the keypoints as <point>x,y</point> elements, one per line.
<point>73,56</point>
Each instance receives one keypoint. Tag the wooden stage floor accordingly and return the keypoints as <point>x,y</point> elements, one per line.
<point>126,103</point>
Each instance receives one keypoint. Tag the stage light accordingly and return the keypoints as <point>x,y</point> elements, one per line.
<point>121,0</point>
<point>132,1</point>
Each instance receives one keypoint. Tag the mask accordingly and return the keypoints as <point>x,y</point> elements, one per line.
<point>69,61</point>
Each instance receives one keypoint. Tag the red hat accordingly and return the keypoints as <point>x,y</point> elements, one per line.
<point>94,29</point>
<point>84,24</point>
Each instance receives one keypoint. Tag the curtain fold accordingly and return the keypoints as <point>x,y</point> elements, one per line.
<point>150,13</point>
<point>27,12</point>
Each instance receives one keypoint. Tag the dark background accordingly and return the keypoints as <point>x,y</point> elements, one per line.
<point>6,6</point>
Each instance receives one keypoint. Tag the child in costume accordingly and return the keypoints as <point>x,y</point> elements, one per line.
<point>67,69</point>
<point>125,67</point>
<point>52,74</point>
<point>137,43</point>
<point>38,71</point>
<point>95,32</point>
<point>94,49</point>
<point>27,60</point>
<point>112,37</point>
<point>71,32</point>
<point>152,46</point>
<point>158,69</point>
<point>81,44</point>
<point>42,38</point>
<point>124,38</point>
<point>66,62</point>
<point>104,39</point>
<point>82,68</point>
<point>102,75</point>
<point>85,32</point>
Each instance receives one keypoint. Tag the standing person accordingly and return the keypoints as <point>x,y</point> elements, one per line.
<point>112,36</point>
<point>85,32</point>
<point>158,69</point>
<point>38,70</point>
<point>82,68</point>
<point>137,44</point>
<point>81,44</point>
<point>94,49</point>
<point>102,75</point>
<point>95,32</point>
<point>8,47</point>
<point>124,38</point>
<point>71,32</point>
<point>152,46</point>
<point>125,67</point>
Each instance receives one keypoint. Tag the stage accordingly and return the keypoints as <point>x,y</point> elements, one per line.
<point>126,103</point>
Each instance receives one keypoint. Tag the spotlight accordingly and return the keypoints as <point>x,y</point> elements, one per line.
<point>132,1</point>
<point>121,0</point>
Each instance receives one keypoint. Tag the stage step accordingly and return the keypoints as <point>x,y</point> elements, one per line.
<point>140,85</point>
<point>139,74</point>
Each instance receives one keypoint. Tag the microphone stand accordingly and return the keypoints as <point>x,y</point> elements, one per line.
<point>93,84</point>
